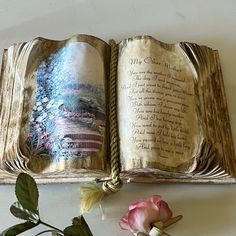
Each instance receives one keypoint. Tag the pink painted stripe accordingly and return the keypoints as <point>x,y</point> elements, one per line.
<point>96,137</point>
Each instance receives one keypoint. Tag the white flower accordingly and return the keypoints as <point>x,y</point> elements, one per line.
<point>40,119</point>
<point>45,99</point>
<point>48,106</point>
<point>40,108</point>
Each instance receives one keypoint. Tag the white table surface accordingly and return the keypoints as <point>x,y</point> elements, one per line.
<point>207,210</point>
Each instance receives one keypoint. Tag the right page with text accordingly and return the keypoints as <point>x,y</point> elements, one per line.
<point>158,119</point>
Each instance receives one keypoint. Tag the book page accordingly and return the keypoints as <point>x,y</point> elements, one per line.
<point>157,113</point>
<point>64,109</point>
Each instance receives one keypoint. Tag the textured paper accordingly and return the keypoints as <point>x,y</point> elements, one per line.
<point>59,88</point>
<point>157,117</point>
<point>189,81</point>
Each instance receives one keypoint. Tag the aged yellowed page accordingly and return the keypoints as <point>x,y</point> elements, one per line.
<point>58,90</point>
<point>59,124</point>
<point>157,116</point>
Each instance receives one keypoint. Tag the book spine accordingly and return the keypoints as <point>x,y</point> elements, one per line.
<point>114,136</point>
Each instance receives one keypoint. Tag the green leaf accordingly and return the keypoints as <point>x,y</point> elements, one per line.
<point>54,232</point>
<point>167,223</point>
<point>79,228</point>
<point>82,223</point>
<point>20,212</point>
<point>17,229</point>
<point>173,220</point>
<point>27,192</point>
<point>73,230</point>
<point>77,220</point>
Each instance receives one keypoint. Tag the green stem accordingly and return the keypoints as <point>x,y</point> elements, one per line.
<point>50,226</point>
<point>46,231</point>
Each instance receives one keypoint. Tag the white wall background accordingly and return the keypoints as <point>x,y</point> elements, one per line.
<point>208,210</point>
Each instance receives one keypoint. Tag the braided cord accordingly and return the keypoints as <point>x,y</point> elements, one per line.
<point>115,184</point>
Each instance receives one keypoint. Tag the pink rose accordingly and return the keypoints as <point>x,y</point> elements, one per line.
<point>143,214</point>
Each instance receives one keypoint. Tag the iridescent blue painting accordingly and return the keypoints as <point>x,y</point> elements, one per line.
<point>68,118</point>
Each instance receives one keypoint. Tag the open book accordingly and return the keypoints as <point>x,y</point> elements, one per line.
<point>83,109</point>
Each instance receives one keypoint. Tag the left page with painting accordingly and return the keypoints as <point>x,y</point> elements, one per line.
<point>53,110</point>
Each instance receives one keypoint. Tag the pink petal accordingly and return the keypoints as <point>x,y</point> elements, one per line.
<point>164,211</point>
<point>124,224</point>
<point>138,204</point>
<point>142,214</point>
<point>134,205</point>
<point>154,199</point>
<point>140,219</point>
